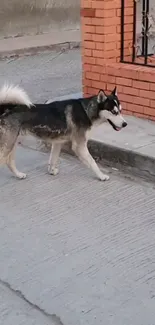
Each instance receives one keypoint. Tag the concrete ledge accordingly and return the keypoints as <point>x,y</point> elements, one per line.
<point>28,45</point>
<point>123,159</point>
<point>107,155</point>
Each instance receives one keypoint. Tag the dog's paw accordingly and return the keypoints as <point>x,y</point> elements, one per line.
<point>53,170</point>
<point>21,175</point>
<point>104,177</point>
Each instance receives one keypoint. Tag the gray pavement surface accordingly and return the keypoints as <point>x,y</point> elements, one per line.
<point>75,247</point>
<point>44,75</point>
<point>74,250</point>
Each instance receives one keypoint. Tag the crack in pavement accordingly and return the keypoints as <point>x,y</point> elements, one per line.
<point>52,317</point>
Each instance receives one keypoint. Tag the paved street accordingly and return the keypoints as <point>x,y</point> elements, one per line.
<point>44,75</point>
<point>73,250</point>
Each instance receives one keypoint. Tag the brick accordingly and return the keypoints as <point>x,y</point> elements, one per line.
<point>128,19</point>
<point>88,59</point>
<point>86,3</point>
<point>148,74</point>
<point>98,69</point>
<point>126,98</point>
<point>119,89</point>
<point>129,11</point>
<point>89,45</point>
<point>152,87</point>
<point>86,21</point>
<point>149,111</point>
<point>112,4</point>
<point>90,29</point>
<point>118,12</point>
<point>123,81</point>
<point>112,71</point>
<point>87,12</point>
<point>87,82</point>
<point>93,76</point>
<point>147,94</point>
<point>106,46</point>
<point>128,28</point>
<point>92,91</point>
<point>128,36</point>
<point>112,21</point>
<point>136,108</point>
<point>111,54</point>
<point>106,13</point>
<point>87,52</point>
<point>98,53</point>
<point>130,91</point>
<point>141,101</point>
<point>111,38</point>
<point>110,87</point>
<point>141,85</point>
<point>127,71</point>
<point>100,61</point>
<point>124,106</point>
<point>87,67</point>
<point>98,38</point>
<point>110,79</point>
<point>105,30</point>
<point>98,84</point>
<point>98,4</point>
<point>152,103</point>
<point>98,21</point>
<point>87,37</point>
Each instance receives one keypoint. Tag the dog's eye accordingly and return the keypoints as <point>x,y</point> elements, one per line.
<point>115,111</point>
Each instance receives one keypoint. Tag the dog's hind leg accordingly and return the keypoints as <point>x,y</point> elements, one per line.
<point>12,166</point>
<point>81,150</point>
<point>53,160</point>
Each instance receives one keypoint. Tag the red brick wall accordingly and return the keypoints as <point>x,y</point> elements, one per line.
<point>101,57</point>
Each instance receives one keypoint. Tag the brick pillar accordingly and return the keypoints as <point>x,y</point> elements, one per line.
<point>100,40</point>
<point>128,30</point>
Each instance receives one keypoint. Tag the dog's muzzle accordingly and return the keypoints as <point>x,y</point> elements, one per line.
<point>116,128</point>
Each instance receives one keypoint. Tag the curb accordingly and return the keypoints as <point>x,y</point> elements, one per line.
<point>39,49</point>
<point>107,155</point>
<point>123,159</point>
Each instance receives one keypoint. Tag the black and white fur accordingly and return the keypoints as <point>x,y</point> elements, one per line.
<point>57,122</point>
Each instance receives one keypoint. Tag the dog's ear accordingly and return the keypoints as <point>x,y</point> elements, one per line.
<point>114,92</point>
<point>101,97</point>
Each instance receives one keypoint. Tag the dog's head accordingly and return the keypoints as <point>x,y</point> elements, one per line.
<point>109,109</point>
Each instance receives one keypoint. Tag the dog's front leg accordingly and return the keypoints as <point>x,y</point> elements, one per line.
<point>83,154</point>
<point>53,160</point>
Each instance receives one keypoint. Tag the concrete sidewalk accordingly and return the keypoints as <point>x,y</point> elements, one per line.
<point>132,149</point>
<point>26,45</point>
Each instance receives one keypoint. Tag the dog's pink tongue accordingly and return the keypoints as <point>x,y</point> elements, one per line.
<point>117,129</point>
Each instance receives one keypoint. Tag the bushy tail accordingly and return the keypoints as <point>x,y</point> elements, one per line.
<point>14,95</point>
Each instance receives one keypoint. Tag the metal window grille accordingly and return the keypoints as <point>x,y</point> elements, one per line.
<point>138,32</point>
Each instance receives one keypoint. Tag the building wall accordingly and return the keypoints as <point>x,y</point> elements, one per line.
<point>101,26</point>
